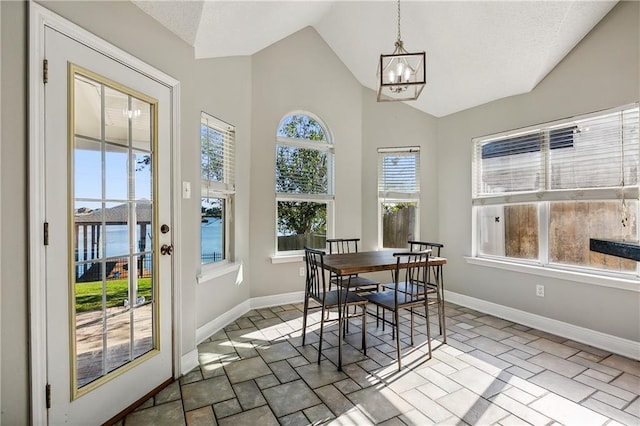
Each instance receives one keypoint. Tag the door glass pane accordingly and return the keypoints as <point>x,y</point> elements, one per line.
<point>118,343</point>
<point>116,116</point>
<point>141,124</point>
<point>116,172</point>
<point>87,163</point>
<point>87,112</point>
<point>143,175</point>
<point>117,243</point>
<point>113,251</point>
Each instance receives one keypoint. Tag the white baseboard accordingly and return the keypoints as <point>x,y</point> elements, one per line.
<point>278,299</point>
<point>607,342</point>
<point>189,361</point>
<point>217,324</point>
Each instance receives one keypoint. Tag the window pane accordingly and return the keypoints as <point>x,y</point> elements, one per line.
<point>573,223</point>
<point>399,171</point>
<point>510,231</point>
<point>301,171</point>
<point>600,149</point>
<point>398,224</point>
<point>212,154</point>
<point>301,127</point>
<point>212,230</point>
<point>508,165</point>
<point>300,224</point>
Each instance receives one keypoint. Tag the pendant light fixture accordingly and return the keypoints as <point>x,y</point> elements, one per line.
<point>401,75</point>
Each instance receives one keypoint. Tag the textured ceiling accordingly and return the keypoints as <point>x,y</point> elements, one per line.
<point>477,51</point>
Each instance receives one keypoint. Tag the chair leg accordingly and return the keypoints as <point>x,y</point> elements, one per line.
<point>411,309</point>
<point>321,333</point>
<point>443,318</point>
<point>397,321</point>
<point>304,319</point>
<point>426,314</point>
<point>364,328</point>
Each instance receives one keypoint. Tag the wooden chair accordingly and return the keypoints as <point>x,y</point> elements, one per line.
<point>339,299</point>
<point>411,270</point>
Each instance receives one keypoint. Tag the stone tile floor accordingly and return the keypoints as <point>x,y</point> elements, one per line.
<point>491,371</point>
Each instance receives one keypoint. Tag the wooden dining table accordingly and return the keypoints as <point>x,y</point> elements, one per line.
<point>347,264</point>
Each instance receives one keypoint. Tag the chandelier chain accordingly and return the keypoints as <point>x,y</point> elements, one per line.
<point>399,38</point>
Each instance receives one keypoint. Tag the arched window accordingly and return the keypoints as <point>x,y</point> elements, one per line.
<point>304,183</point>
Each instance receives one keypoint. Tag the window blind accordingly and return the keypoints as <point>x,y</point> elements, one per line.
<point>587,153</point>
<point>217,155</point>
<point>399,173</point>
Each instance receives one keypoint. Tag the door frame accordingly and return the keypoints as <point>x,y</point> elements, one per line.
<point>39,18</point>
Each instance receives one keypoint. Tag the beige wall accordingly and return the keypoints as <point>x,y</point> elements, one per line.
<point>13,180</point>
<point>601,72</point>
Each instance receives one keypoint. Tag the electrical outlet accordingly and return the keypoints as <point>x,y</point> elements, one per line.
<point>540,290</point>
<point>301,272</point>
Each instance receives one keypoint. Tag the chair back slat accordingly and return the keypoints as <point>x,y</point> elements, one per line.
<point>411,273</point>
<point>315,281</point>
<point>343,245</point>
<point>424,245</point>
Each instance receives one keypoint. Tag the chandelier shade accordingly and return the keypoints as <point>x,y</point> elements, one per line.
<point>401,75</point>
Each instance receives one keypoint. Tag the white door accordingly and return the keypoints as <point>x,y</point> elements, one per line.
<point>107,201</point>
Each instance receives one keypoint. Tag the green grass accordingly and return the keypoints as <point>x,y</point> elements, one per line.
<point>89,295</point>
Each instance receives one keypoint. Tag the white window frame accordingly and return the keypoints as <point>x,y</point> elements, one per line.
<point>543,199</point>
<point>398,197</point>
<point>223,190</point>
<point>328,199</point>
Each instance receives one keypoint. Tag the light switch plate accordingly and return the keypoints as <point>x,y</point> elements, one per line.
<point>186,190</point>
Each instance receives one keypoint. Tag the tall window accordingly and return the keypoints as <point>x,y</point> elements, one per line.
<point>398,195</point>
<point>304,183</point>
<point>217,140</point>
<point>540,193</point>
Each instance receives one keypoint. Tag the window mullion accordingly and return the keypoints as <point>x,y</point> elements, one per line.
<point>543,232</point>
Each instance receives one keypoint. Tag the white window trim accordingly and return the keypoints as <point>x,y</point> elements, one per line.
<point>217,270</point>
<point>599,279</point>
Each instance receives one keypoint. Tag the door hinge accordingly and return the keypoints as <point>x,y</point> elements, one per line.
<point>45,71</point>
<point>46,233</point>
<point>48,395</point>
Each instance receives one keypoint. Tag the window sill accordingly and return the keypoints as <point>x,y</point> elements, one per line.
<point>581,277</point>
<point>217,271</point>
<point>290,258</point>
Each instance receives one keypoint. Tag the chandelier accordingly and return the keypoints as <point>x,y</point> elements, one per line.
<point>401,75</point>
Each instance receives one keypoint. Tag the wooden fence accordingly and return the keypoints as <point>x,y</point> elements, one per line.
<point>398,226</point>
<point>298,242</point>
<point>571,225</point>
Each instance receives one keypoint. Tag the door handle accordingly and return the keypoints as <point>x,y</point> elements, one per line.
<point>166,249</point>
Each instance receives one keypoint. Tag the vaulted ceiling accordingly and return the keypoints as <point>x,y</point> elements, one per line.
<point>477,51</point>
